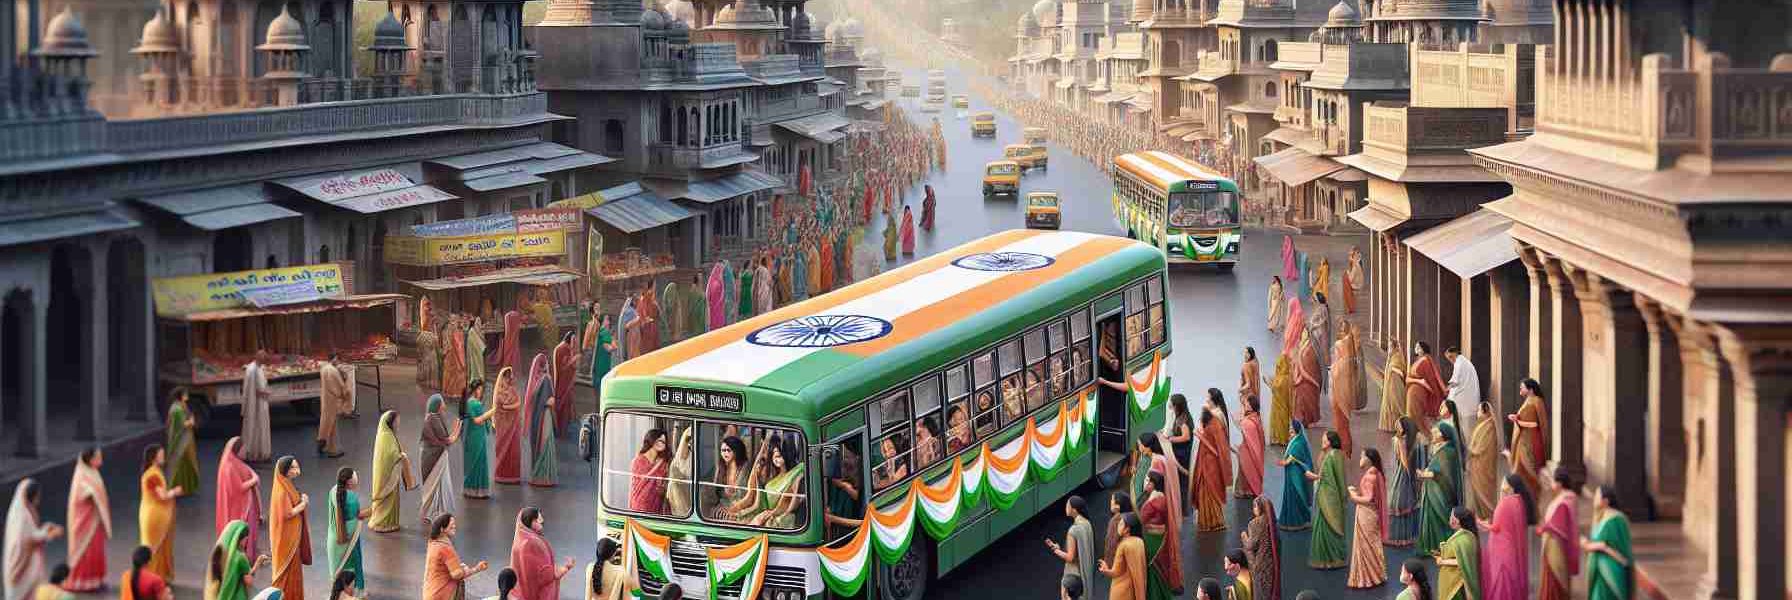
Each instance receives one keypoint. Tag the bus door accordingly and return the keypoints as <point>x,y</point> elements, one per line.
<point>1110,403</point>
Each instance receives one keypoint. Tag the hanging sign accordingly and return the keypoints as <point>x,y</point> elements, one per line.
<point>552,218</point>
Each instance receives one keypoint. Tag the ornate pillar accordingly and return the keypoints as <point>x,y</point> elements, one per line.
<point>1540,316</point>
<point>1761,361</point>
<point>1710,517</point>
<point>1614,368</point>
<point>1664,462</point>
<point>1565,370</point>
<point>91,285</point>
<point>1509,323</point>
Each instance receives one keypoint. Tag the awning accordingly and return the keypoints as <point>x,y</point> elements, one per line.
<point>26,231</point>
<point>1113,98</point>
<point>1468,245</point>
<point>369,191</point>
<point>221,208</point>
<point>822,128</point>
<point>1293,166</point>
<point>1181,129</point>
<point>1292,137</point>
<point>1197,135</point>
<point>1349,174</point>
<point>349,303</point>
<point>1376,219</point>
<point>502,181</point>
<point>1139,104</point>
<point>516,166</point>
<point>538,276</point>
<point>722,188</point>
<point>638,212</point>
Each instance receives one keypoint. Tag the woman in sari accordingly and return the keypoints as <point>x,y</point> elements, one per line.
<point>730,293</point>
<point>1393,390</point>
<point>713,292</point>
<point>1118,504</point>
<point>391,475</point>
<point>1250,451</point>
<point>444,575</point>
<point>538,420</point>
<point>908,231</point>
<point>1448,418</point>
<point>476,350</point>
<point>1459,559</point>
<point>1281,401</point>
<point>649,315</point>
<point>1181,432</point>
<point>429,350</point>
<point>155,512</point>
<point>1289,268</point>
<point>141,583</point>
<point>566,373</point>
<point>890,238</point>
<point>1127,572</point>
<point>1297,490</point>
<point>830,262</point>
<point>1277,299</point>
<point>648,472</point>
<point>1609,559</point>
<point>928,202</point>
<point>229,574</point>
<point>343,545</point>
<point>696,308</point>
<point>1159,528</point>
<point>628,332</point>
<point>1368,561</point>
<point>510,348</point>
<point>90,524</point>
<point>476,427</point>
<point>1328,549</point>
<point>289,536</point>
<point>1507,549</point>
<point>1443,483</point>
<point>764,298</point>
<point>1484,463</point>
<point>776,492</point>
<point>1530,435</point>
<point>729,480</point>
<point>1212,470</point>
<point>1424,387</point>
<point>532,558</point>
<point>1560,537</point>
<point>1345,393</point>
<point>744,296</point>
<point>183,474</point>
<point>603,351</point>
<point>1262,544</point>
<point>1404,485</point>
<point>454,358</point>
<point>1353,279</point>
<point>26,536</point>
<point>1322,277</point>
<point>1306,276</point>
<point>440,431</point>
<point>1307,372</point>
<point>813,264</point>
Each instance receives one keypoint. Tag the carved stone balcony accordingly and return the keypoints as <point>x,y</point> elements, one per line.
<point>1463,78</point>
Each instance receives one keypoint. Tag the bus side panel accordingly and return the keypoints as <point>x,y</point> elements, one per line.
<point>1151,423</point>
<point>964,544</point>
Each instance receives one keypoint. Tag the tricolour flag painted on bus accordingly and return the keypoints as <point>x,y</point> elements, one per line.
<point>1046,446</point>
<point>1149,391</point>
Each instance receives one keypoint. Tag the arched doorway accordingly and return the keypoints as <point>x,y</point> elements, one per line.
<point>127,315</point>
<point>18,414</point>
<point>67,353</point>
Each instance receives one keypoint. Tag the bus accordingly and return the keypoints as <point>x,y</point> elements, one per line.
<point>1185,209</point>
<point>875,438</point>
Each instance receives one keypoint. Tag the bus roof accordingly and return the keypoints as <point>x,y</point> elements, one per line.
<point>841,347</point>
<point>1164,169</point>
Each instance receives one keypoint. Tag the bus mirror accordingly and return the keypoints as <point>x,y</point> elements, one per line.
<point>830,461</point>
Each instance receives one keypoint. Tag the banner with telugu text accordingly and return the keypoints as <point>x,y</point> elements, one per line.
<point>217,291</point>
<point>437,251</point>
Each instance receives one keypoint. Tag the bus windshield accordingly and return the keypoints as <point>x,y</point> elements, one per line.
<point>745,474</point>
<point>1203,209</point>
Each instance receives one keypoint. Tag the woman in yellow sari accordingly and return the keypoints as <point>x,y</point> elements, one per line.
<point>1484,464</point>
<point>155,512</point>
<point>391,474</point>
<point>1393,388</point>
<point>1281,402</point>
<point>1322,277</point>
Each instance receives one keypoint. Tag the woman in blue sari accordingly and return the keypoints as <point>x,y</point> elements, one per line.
<point>1297,491</point>
<point>1403,486</point>
<point>538,419</point>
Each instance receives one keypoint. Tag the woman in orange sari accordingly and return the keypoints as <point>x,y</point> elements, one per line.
<point>1211,470</point>
<point>289,537</point>
<point>1530,435</point>
<point>1126,575</point>
<point>1250,376</point>
<point>90,524</point>
<point>1307,372</point>
<point>444,575</point>
<point>1424,387</point>
<point>1368,560</point>
<point>1250,451</point>
<point>155,512</point>
<point>648,312</point>
<point>507,450</point>
<point>454,358</point>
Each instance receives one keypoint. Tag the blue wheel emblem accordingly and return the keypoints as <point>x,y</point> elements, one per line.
<point>1004,261</point>
<point>821,331</point>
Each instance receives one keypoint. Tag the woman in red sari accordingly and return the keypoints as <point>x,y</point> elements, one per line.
<point>927,205</point>
<point>1307,372</point>
<point>508,448</point>
<point>510,349</point>
<point>647,485</point>
<point>908,231</point>
<point>566,370</point>
<point>1424,387</point>
<point>649,314</point>
<point>532,558</point>
<point>1250,451</point>
<point>239,495</point>
<point>1213,466</point>
<point>89,524</point>
<point>1561,538</point>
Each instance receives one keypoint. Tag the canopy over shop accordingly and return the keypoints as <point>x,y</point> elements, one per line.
<point>637,230</point>
<point>489,265</point>
<point>212,325</point>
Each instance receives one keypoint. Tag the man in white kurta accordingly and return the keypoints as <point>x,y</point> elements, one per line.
<point>257,440</point>
<point>1465,383</point>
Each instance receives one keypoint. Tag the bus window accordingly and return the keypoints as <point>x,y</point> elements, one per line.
<point>983,376</point>
<point>930,441</point>
<point>1036,383</point>
<point>1154,295</point>
<point>640,473</point>
<point>959,434</point>
<point>1058,365</point>
<point>984,368</point>
<point>1135,320</point>
<point>845,509</point>
<point>751,475</point>
<point>890,422</point>
<point>1013,395</point>
<point>1081,368</point>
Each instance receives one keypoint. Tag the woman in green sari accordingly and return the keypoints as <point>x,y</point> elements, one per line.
<point>344,542</point>
<point>603,354</point>
<point>1443,481</point>
<point>476,429</point>
<point>1329,550</point>
<point>538,420</point>
<point>391,475</point>
<point>183,455</point>
<point>1459,560</point>
<point>775,492</point>
<point>1297,490</point>
<point>229,575</point>
<point>1609,574</point>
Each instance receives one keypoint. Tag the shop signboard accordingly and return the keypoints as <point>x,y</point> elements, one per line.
<point>298,292</point>
<point>176,296</point>
<point>499,223</point>
<point>353,185</point>
<point>552,218</point>
<point>437,251</point>
<point>388,200</point>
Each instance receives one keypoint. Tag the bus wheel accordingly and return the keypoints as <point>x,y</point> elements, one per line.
<point>908,578</point>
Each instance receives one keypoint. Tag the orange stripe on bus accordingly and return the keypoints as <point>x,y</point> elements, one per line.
<point>665,358</point>
<point>1181,170</point>
<point>921,322</point>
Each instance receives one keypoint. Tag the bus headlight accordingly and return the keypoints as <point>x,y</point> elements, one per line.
<point>1232,248</point>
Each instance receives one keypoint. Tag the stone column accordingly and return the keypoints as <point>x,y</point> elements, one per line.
<point>1477,333</point>
<point>1614,365</point>
<point>1541,316</point>
<point>36,387</point>
<point>1509,323</point>
<point>1710,515</point>
<point>1761,361</point>
<point>1565,371</point>
<point>1664,462</point>
<point>95,387</point>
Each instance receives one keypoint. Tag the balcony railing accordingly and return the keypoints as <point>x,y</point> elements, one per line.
<point>166,133</point>
<point>1334,139</point>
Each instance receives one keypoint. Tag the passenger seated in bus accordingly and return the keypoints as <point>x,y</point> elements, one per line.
<point>1079,361</point>
<point>1036,386</point>
<point>1060,378</point>
<point>777,487</point>
<point>986,413</point>
<point>895,460</point>
<point>958,429</point>
<point>1012,398</point>
<point>928,448</point>
<point>647,481</point>
<point>845,510</point>
<point>1110,346</point>
<point>728,481</point>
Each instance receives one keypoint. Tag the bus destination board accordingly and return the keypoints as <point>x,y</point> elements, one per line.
<point>682,397</point>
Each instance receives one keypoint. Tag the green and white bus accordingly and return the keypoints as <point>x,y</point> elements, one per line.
<point>1185,209</point>
<point>874,438</point>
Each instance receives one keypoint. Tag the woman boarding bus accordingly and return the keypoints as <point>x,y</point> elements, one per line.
<point>1179,206</point>
<point>854,441</point>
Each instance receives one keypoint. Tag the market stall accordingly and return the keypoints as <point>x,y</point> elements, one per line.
<point>463,266</point>
<point>210,326</point>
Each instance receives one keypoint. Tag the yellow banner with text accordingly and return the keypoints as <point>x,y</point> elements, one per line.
<point>436,251</point>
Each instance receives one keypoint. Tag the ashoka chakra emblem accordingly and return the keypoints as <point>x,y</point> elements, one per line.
<point>1004,261</point>
<point>821,331</point>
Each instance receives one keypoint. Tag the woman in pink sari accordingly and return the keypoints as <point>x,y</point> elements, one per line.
<point>566,370</point>
<point>1289,271</point>
<point>510,349</point>
<point>908,231</point>
<point>1560,533</point>
<point>1250,451</point>
<point>1505,551</point>
<point>239,494</point>
<point>89,524</point>
<point>532,558</point>
<point>509,425</point>
<point>718,313</point>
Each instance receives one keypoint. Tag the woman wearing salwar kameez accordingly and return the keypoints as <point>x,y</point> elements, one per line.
<point>183,454</point>
<point>1404,486</point>
<point>566,373</point>
<point>344,538</point>
<point>1368,561</point>
<point>1506,551</point>
<point>155,513</point>
<point>1442,484</point>
<point>1262,543</point>
<point>1609,560</point>
<point>1560,537</point>
<point>90,524</point>
<point>1459,560</point>
<point>440,431</point>
<point>507,452</point>
<point>1530,435</point>
<point>1277,301</point>
<point>476,428</point>
<point>229,575</point>
<point>538,421</point>
<point>289,536</point>
<point>1328,549</point>
<point>1250,451</point>
<point>1297,490</point>
<point>1484,463</point>
<point>1211,469</point>
<point>391,475</point>
<point>1393,388</point>
<point>1281,401</point>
